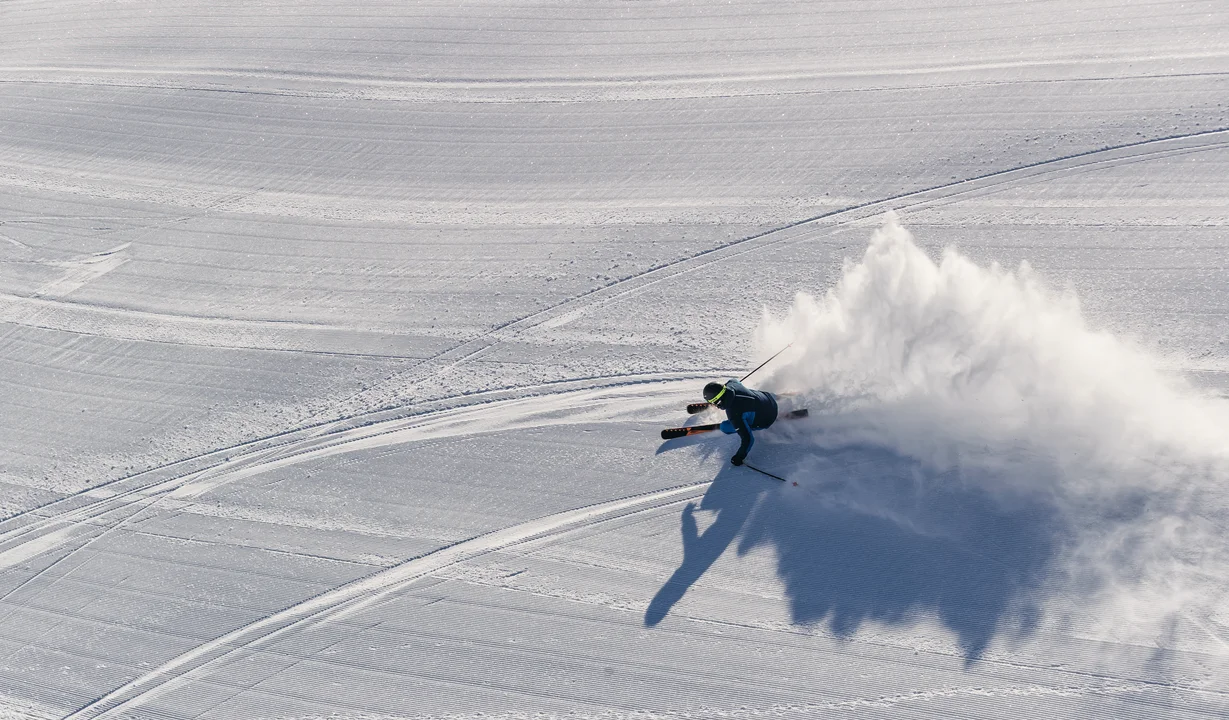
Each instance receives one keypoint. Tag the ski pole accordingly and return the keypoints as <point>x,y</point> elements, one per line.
<point>744,377</point>
<point>764,472</point>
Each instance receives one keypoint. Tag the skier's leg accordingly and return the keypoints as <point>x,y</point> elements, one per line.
<point>727,427</point>
<point>748,419</point>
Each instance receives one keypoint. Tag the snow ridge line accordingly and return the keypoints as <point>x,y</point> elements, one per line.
<point>363,592</point>
<point>29,540</point>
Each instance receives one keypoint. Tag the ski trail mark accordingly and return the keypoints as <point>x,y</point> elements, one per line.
<point>179,329</point>
<point>555,89</point>
<point>573,308</point>
<point>807,229</point>
<point>99,509</point>
<point>82,271</point>
<point>361,593</point>
<point>13,241</point>
<point>225,332</point>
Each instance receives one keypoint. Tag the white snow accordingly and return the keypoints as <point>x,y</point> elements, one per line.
<point>336,338</point>
<point>992,389</point>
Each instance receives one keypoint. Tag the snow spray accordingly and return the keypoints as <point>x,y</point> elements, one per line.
<point>987,377</point>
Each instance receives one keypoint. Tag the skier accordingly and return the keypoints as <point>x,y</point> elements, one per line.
<point>745,410</point>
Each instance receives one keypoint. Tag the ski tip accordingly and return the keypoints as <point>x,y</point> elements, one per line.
<point>800,413</point>
<point>694,408</point>
<point>672,433</point>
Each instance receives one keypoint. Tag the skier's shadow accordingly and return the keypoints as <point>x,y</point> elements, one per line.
<point>865,538</point>
<point>733,499</point>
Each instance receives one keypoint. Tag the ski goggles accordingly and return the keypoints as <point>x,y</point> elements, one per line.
<point>717,396</point>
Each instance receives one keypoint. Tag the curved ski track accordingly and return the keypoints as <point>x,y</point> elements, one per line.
<point>363,592</point>
<point>88,514</point>
<point>575,307</point>
<point>91,514</point>
<point>33,536</point>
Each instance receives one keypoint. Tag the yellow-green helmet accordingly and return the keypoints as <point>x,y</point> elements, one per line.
<point>714,392</point>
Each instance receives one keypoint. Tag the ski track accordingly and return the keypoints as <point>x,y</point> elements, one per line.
<point>340,602</point>
<point>802,230</point>
<point>113,507</point>
<point>106,509</point>
<point>99,509</point>
<point>213,459</point>
<point>359,594</point>
<point>556,89</point>
<point>807,229</point>
<point>13,241</point>
<point>221,332</point>
<point>84,270</point>
<point>175,329</point>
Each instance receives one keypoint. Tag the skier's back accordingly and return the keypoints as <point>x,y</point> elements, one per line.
<point>745,410</point>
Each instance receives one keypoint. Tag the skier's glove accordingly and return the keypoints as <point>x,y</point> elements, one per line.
<point>737,460</point>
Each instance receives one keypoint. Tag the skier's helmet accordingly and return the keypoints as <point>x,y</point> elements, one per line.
<point>713,392</point>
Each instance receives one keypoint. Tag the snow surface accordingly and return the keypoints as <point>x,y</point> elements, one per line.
<point>337,337</point>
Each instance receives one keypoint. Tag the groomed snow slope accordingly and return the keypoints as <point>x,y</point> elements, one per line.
<point>336,340</point>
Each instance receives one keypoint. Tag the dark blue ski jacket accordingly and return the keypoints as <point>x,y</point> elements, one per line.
<point>746,410</point>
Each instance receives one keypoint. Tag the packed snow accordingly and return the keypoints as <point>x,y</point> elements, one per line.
<point>336,340</point>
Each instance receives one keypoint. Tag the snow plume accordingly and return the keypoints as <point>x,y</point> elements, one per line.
<point>991,384</point>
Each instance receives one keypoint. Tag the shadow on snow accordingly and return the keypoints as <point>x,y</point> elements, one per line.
<point>868,535</point>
